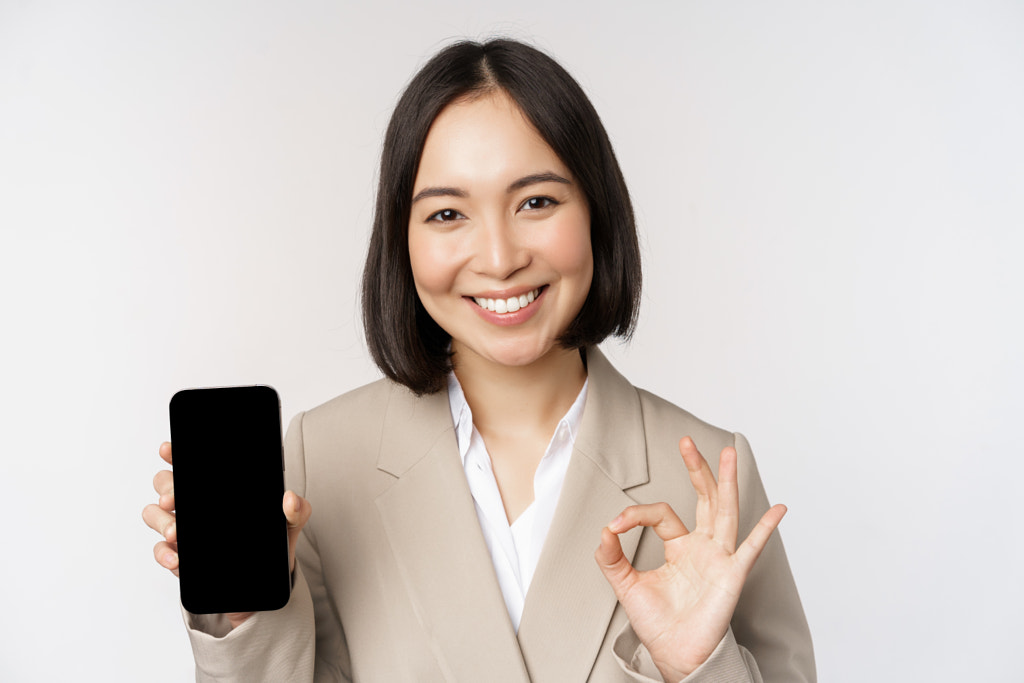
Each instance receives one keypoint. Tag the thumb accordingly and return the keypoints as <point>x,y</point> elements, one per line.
<point>297,511</point>
<point>613,563</point>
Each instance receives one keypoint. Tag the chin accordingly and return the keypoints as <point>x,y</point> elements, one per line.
<point>518,353</point>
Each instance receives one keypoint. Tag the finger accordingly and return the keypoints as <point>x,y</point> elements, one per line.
<point>659,516</point>
<point>165,451</point>
<point>758,537</point>
<point>297,511</point>
<point>704,484</point>
<point>163,484</point>
<point>613,563</point>
<point>728,518</point>
<point>166,555</point>
<point>160,521</point>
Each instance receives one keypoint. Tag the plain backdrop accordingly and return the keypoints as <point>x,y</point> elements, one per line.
<point>830,204</point>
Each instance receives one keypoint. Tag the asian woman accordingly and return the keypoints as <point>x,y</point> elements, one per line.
<point>444,520</point>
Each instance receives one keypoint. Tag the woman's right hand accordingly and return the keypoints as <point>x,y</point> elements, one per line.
<point>160,518</point>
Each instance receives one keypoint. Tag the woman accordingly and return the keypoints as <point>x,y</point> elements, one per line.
<point>458,502</point>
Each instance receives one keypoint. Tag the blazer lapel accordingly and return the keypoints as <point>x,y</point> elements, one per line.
<point>569,600</point>
<point>431,524</point>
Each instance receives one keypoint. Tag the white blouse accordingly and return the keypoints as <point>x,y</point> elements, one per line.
<point>514,548</point>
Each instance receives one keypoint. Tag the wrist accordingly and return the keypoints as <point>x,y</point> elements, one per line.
<point>236,619</point>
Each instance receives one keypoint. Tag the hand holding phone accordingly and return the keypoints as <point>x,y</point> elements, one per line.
<point>225,501</point>
<point>160,517</point>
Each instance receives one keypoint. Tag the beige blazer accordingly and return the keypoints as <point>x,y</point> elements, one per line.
<point>395,583</point>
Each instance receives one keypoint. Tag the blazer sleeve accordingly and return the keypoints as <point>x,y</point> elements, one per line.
<point>769,619</point>
<point>269,646</point>
<point>303,641</point>
<point>769,639</point>
<point>728,662</point>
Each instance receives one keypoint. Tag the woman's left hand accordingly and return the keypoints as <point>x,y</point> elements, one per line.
<point>681,610</point>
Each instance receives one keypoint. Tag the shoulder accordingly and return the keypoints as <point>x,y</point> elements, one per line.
<point>350,423</point>
<point>661,416</point>
<point>373,419</point>
<point>357,406</point>
<point>666,423</point>
<point>334,448</point>
<point>622,417</point>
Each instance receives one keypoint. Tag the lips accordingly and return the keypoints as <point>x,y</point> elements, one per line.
<point>509,305</point>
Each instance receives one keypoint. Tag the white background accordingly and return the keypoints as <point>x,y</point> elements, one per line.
<point>830,203</point>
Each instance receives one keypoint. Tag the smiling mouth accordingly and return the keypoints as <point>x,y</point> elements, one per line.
<point>509,305</point>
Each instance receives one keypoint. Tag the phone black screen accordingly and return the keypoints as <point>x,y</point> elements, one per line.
<point>228,485</point>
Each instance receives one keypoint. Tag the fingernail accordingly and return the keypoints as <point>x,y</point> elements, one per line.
<point>615,522</point>
<point>296,503</point>
<point>169,530</point>
<point>170,558</point>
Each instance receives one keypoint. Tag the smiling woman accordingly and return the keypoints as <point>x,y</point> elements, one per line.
<point>459,500</point>
<point>511,230</point>
<point>548,113</point>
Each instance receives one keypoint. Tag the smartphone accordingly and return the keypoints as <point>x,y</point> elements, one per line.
<point>228,488</point>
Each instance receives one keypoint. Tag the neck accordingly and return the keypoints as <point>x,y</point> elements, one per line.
<point>524,398</point>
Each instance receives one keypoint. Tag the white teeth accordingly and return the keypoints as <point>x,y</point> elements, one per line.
<point>509,305</point>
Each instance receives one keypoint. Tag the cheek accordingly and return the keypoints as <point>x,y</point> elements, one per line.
<point>569,251</point>
<point>430,271</point>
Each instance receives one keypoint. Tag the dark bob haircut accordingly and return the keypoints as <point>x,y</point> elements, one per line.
<point>404,340</point>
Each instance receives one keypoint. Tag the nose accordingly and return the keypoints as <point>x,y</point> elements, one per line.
<point>499,252</point>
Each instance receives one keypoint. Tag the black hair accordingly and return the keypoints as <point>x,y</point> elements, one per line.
<point>405,342</point>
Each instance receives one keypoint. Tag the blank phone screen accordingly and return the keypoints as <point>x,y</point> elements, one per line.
<point>228,486</point>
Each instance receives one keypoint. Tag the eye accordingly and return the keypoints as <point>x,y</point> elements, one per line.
<point>445,216</point>
<point>537,203</point>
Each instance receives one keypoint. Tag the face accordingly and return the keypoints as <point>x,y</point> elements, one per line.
<point>499,234</point>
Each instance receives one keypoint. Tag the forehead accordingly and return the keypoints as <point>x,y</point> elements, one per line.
<point>474,140</point>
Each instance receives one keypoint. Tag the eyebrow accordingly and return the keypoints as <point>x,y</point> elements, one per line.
<point>438,192</point>
<point>546,177</point>
<point>525,181</point>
